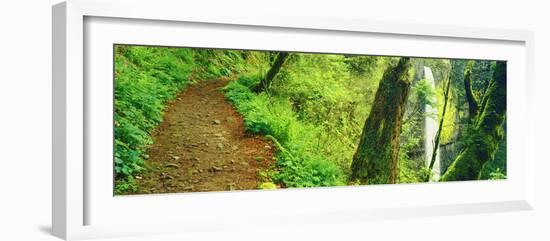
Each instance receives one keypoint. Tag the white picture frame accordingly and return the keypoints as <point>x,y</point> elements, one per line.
<point>78,195</point>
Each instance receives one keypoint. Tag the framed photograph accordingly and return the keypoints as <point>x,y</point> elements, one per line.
<point>206,122</point>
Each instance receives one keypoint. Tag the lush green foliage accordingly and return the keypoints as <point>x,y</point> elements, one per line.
<point>313,111</point>
<point>488,131</point>
<point>412,169</point>
<point>300,165</point>
<point>145,79</point>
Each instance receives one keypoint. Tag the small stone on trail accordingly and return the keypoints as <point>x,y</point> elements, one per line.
<point>220,145</point>
<point>216,169</point>
<point>172,165</point>
<point>267,147</point>
<point>166,176</point>
<point>217,122</point>
<point>218,135</point>
<point>176,157</point>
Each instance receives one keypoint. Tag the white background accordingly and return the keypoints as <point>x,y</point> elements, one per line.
<point>232,209</point>
<point>25,122</point>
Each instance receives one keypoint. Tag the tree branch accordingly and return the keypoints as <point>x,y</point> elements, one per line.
<point>266,82</point>
<point>472,102</point>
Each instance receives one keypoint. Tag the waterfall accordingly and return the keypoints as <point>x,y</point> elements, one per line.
<point>430,130</point>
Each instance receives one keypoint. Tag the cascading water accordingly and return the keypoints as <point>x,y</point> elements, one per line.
<point>430,130</point>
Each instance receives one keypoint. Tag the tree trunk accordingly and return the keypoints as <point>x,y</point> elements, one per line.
<point>440,128</point>
<point>266,82</point>
<point>376,158</point>
<point>488,131</point>
<point>472,102</point>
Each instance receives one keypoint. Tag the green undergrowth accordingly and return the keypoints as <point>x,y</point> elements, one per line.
<point>314,109</point>
<point>146,78</point>
<point>299,161</point>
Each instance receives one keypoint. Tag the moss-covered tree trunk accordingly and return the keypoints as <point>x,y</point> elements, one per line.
<point>440,127</point>
<point>488,131</point>
<point>472,102</point>
<point>266,82</point>
<point>376,158</point>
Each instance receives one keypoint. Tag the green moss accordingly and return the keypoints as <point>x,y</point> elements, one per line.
<point>267,186</point>
<point>449,129</point>
<point>483,141</point>
<point>376,158</point>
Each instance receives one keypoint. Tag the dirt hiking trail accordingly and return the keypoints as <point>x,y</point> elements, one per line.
<point>201,145</point>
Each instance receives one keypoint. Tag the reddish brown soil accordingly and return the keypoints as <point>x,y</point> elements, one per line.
<point>201,145</point>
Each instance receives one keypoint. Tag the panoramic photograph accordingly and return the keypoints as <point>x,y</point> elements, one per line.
<point>203,119</point>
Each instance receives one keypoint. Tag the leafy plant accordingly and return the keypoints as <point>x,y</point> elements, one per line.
<point>146,78</point>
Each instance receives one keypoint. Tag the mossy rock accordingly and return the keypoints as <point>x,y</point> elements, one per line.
<point>267,186</point>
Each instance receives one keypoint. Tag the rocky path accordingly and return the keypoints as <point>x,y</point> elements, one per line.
<point>201,145</point>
